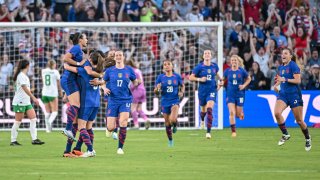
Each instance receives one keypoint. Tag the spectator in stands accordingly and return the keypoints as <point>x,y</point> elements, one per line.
<point>183,7</point>
<point>235,36</point>
<point>262,56</point>
<point>6,70</point>
<point>251,9</point>
<point>195,16</point>
<point>145,58</point>
<point>148,12</point>
<point>228,24</point>
<point>314,78</point>
<point>131,9</point>
<point>111,12</point>
<point>237,11</point>
<point>258,80</point>
<point>314,58</point>
<point>21,14</point>
<point>5,15</point>
<point>174,16</point>
<point>280,39</point>
<point>204,10</point>
<point>128,49</point>
<point>60,7</point>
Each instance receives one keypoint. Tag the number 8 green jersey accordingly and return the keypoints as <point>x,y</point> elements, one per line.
<point>49,81</point>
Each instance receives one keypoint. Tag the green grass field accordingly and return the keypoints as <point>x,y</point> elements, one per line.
<point>254,154</point>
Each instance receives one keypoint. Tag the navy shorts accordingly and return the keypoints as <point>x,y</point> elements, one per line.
<point>293,99</point>
<point>203,99</point>
<point>88,113</point>
<point>238,101</point>
<point>69,86</point>
<point>114,110</point>
<point>167,109</point>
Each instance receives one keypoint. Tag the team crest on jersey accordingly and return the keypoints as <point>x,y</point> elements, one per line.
<point>169,82</point>
<point>234,76</point>
<point>120,75</point>
<point>282,71</point>
<point>209,71</point>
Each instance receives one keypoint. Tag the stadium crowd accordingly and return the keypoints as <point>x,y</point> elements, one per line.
<point>255,30</point>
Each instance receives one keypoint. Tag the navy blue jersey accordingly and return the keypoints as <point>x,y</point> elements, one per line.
<point>89,95</point>
<point>235,78</point>
<point>77,56</point>
<point>118,81</point>
<point>169,88</point>
<point>288,71</point>
<point>210,73</point>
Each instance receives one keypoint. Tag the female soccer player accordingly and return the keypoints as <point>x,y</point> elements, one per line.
<point>205,73</point>
<point>289,95</point>
<point>139,96</point>
<point>90,102</point>
<point>51,86</point>
<point>238,80</point>
<point>69,81</point>
<point>117,80</point>
<point>108,63</point>
<point>22,105</point>
<point>171,87</point>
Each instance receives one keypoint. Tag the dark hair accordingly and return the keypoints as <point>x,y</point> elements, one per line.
<point>98,60</point>
<point>294,58</point>
<point>22,65</point>
<point>304,35</point>
<point>131,63</point>
<point>75,38</point>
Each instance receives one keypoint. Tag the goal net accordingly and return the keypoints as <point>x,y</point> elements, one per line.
<point>148,44</point>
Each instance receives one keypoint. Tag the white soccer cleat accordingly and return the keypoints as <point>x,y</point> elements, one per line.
<point>283,139</point>
<point>88,154</point>
<point>115,135</point>
<point>120,151</point>
<point>108,133</point>
<point>202,125</point>
<point>308,144</point>
<point>208,135</point>
<point>69,134</point>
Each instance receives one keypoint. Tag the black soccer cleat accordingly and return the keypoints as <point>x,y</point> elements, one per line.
<point>37,142</point>
<point>15,143</point>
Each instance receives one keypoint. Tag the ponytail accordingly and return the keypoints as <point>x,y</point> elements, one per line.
<point>98,60</point>
<point>22,65</point>
<point>75,38</point>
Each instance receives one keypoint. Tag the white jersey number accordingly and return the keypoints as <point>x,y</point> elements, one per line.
<point>169,89</point>
<point>119,83</point>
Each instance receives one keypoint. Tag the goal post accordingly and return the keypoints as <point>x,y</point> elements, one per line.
<point>148,44</point>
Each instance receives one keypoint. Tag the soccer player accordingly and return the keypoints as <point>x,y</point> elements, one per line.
<point>238,80</point>
<point>139,96</point>
<point>108,63</point>
<point>289,95</point>
<point>69,82</point>
<point>117,79</point>
<point>171,87</point>
<point>90,102</point>
<point>205,73</point>
<point>51,86</point>
<point>22,105</point>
